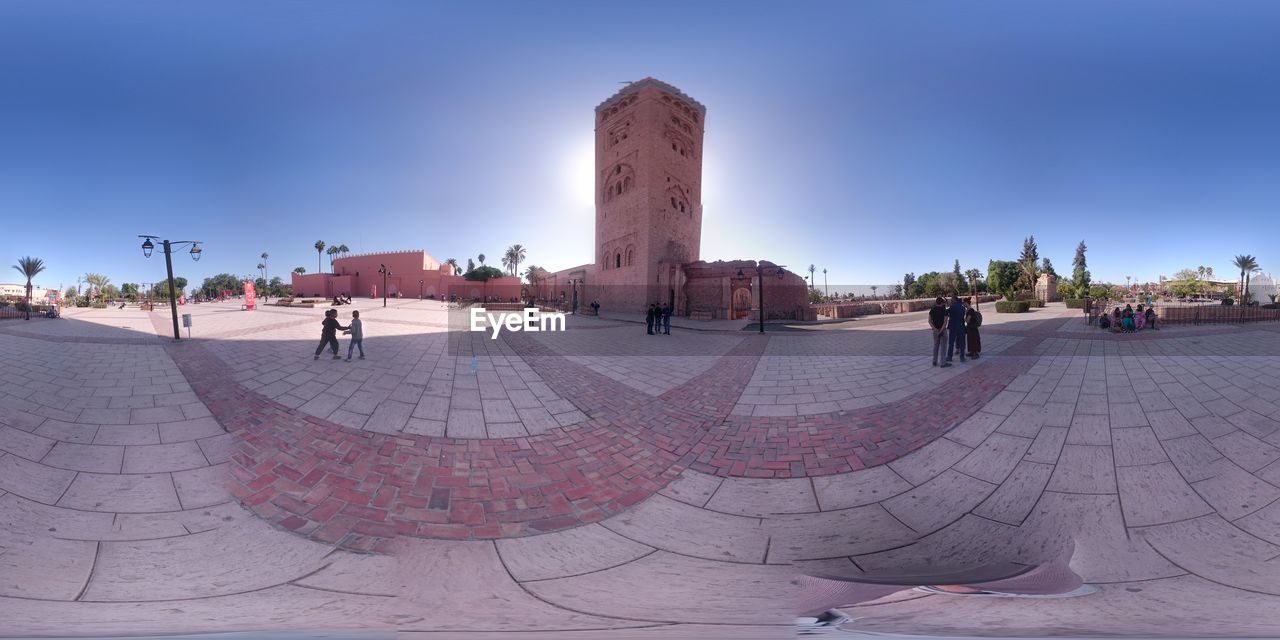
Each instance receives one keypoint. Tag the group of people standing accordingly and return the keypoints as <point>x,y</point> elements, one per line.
<point>658,319</point>
<point>956,326</point>
<point>329,334</point>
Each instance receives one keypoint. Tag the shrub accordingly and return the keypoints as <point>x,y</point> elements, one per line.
<point>1228,301</point>
<point>1038,304</point>
<point>99,305</point>
<point>1013,306</point>
<point>1074,303</point>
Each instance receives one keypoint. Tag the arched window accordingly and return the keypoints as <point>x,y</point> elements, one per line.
<point>626,184</point>
<point>681,207</point>
<point>631,254</point>
<point>673,202</point>
<point>617,260</point>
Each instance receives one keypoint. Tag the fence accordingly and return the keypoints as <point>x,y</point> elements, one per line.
<point>1196,314</point>
<point>1214,314</point>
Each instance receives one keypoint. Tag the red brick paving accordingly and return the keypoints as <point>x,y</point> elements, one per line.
<point>359,489</point>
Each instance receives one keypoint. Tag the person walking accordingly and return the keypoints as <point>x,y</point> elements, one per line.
<point>955,330</point>
<point>356,329</point>
<point>666,320</point>
<point>972,320</point>
<point>329,334</point>
<point>648,320</point>
<point>938,324</point>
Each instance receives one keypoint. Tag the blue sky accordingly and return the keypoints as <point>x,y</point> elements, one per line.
<point>868,138</point>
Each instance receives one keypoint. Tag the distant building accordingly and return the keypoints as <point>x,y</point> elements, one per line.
<point>648,228</point>
<point>413,274</point>
<point>14,291</point>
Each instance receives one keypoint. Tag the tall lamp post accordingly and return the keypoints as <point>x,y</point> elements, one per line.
<point>419,290</point>
<point>573,282</point>
<point>382,268</point>
<point>760,277</point>
<point>148,246</point>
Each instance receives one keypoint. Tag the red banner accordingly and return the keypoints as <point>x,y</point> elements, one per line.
<point>250,297</point>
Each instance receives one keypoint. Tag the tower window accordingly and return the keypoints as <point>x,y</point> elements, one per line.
<point>617,260</point>
<point>673,202</point>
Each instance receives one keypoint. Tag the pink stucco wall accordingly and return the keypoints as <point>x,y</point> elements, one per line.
<point>413,274</point>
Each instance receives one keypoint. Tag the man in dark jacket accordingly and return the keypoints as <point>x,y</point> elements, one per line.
<point>329,334</point>
<point>648,320</point>
<point>666,319</point>
<point>938,325</point>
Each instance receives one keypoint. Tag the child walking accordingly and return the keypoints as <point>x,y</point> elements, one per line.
<point>329,334</point>
<point>356,329</point>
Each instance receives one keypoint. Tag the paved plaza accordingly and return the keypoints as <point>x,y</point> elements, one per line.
<point>602,482</point>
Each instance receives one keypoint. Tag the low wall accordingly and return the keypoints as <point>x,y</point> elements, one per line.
<point>848,309</point>
<point>922,304</point>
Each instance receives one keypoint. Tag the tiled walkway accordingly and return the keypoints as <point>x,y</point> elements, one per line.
<point>153,487</point>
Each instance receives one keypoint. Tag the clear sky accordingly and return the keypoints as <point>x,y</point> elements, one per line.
<point>868,138</point>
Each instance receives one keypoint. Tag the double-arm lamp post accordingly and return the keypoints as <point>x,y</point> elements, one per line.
<point>382,268</point>
<point>760,276</point>
<point>148,246</point>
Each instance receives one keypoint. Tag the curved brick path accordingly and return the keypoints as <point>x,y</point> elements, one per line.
<point>361,489</point>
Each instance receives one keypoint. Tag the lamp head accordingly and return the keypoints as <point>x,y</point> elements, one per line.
<point>148,247</point>
<point>196,251</point>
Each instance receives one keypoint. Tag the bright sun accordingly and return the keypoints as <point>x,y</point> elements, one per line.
<point>579,175</point>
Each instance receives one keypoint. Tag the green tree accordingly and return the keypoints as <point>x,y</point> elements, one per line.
<point>29,268</point>
<point>453,262</point>
<point>812,270</point>
<point>928,285</point>
<point>1080,269</point>
<point>1003,277</point>
<point>214,286</point>
<point>471,265</point>
<point>1047,267</point>
<point>908,285</point>
<point>973,275</point>
<point>97,283</point>
<point>534,274</point>
<point>319,248</point>
<point>264,257</point>
<point>333,253</point>
<point>1029,264</point>
<point>299,270</point>
<point>481,259</point>
<point>482,273</point>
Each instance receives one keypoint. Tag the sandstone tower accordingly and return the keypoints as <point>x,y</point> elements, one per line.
<point>648,191</point>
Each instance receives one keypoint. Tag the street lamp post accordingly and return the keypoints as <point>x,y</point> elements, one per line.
<point>382,268</point>
<point>419,290</point>
<point>573,282</point>
<point>760,278</point>
<point>148,247</point>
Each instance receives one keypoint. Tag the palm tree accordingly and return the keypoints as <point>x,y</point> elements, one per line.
<point>344,249</point>
<point>1248,265</point>
<point>319,248</point>
<point>481,259</point>
<point>812,269</point>
<point>263,268</point>
<point>452,262</point>
<point>332,251</point>
<point>264,257</point>
<point>873,290</point>
<point>515,255</point>
<point>97,281</point>
<point>29,267</point>
<point>299,270</point>
<point>825,288</point>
